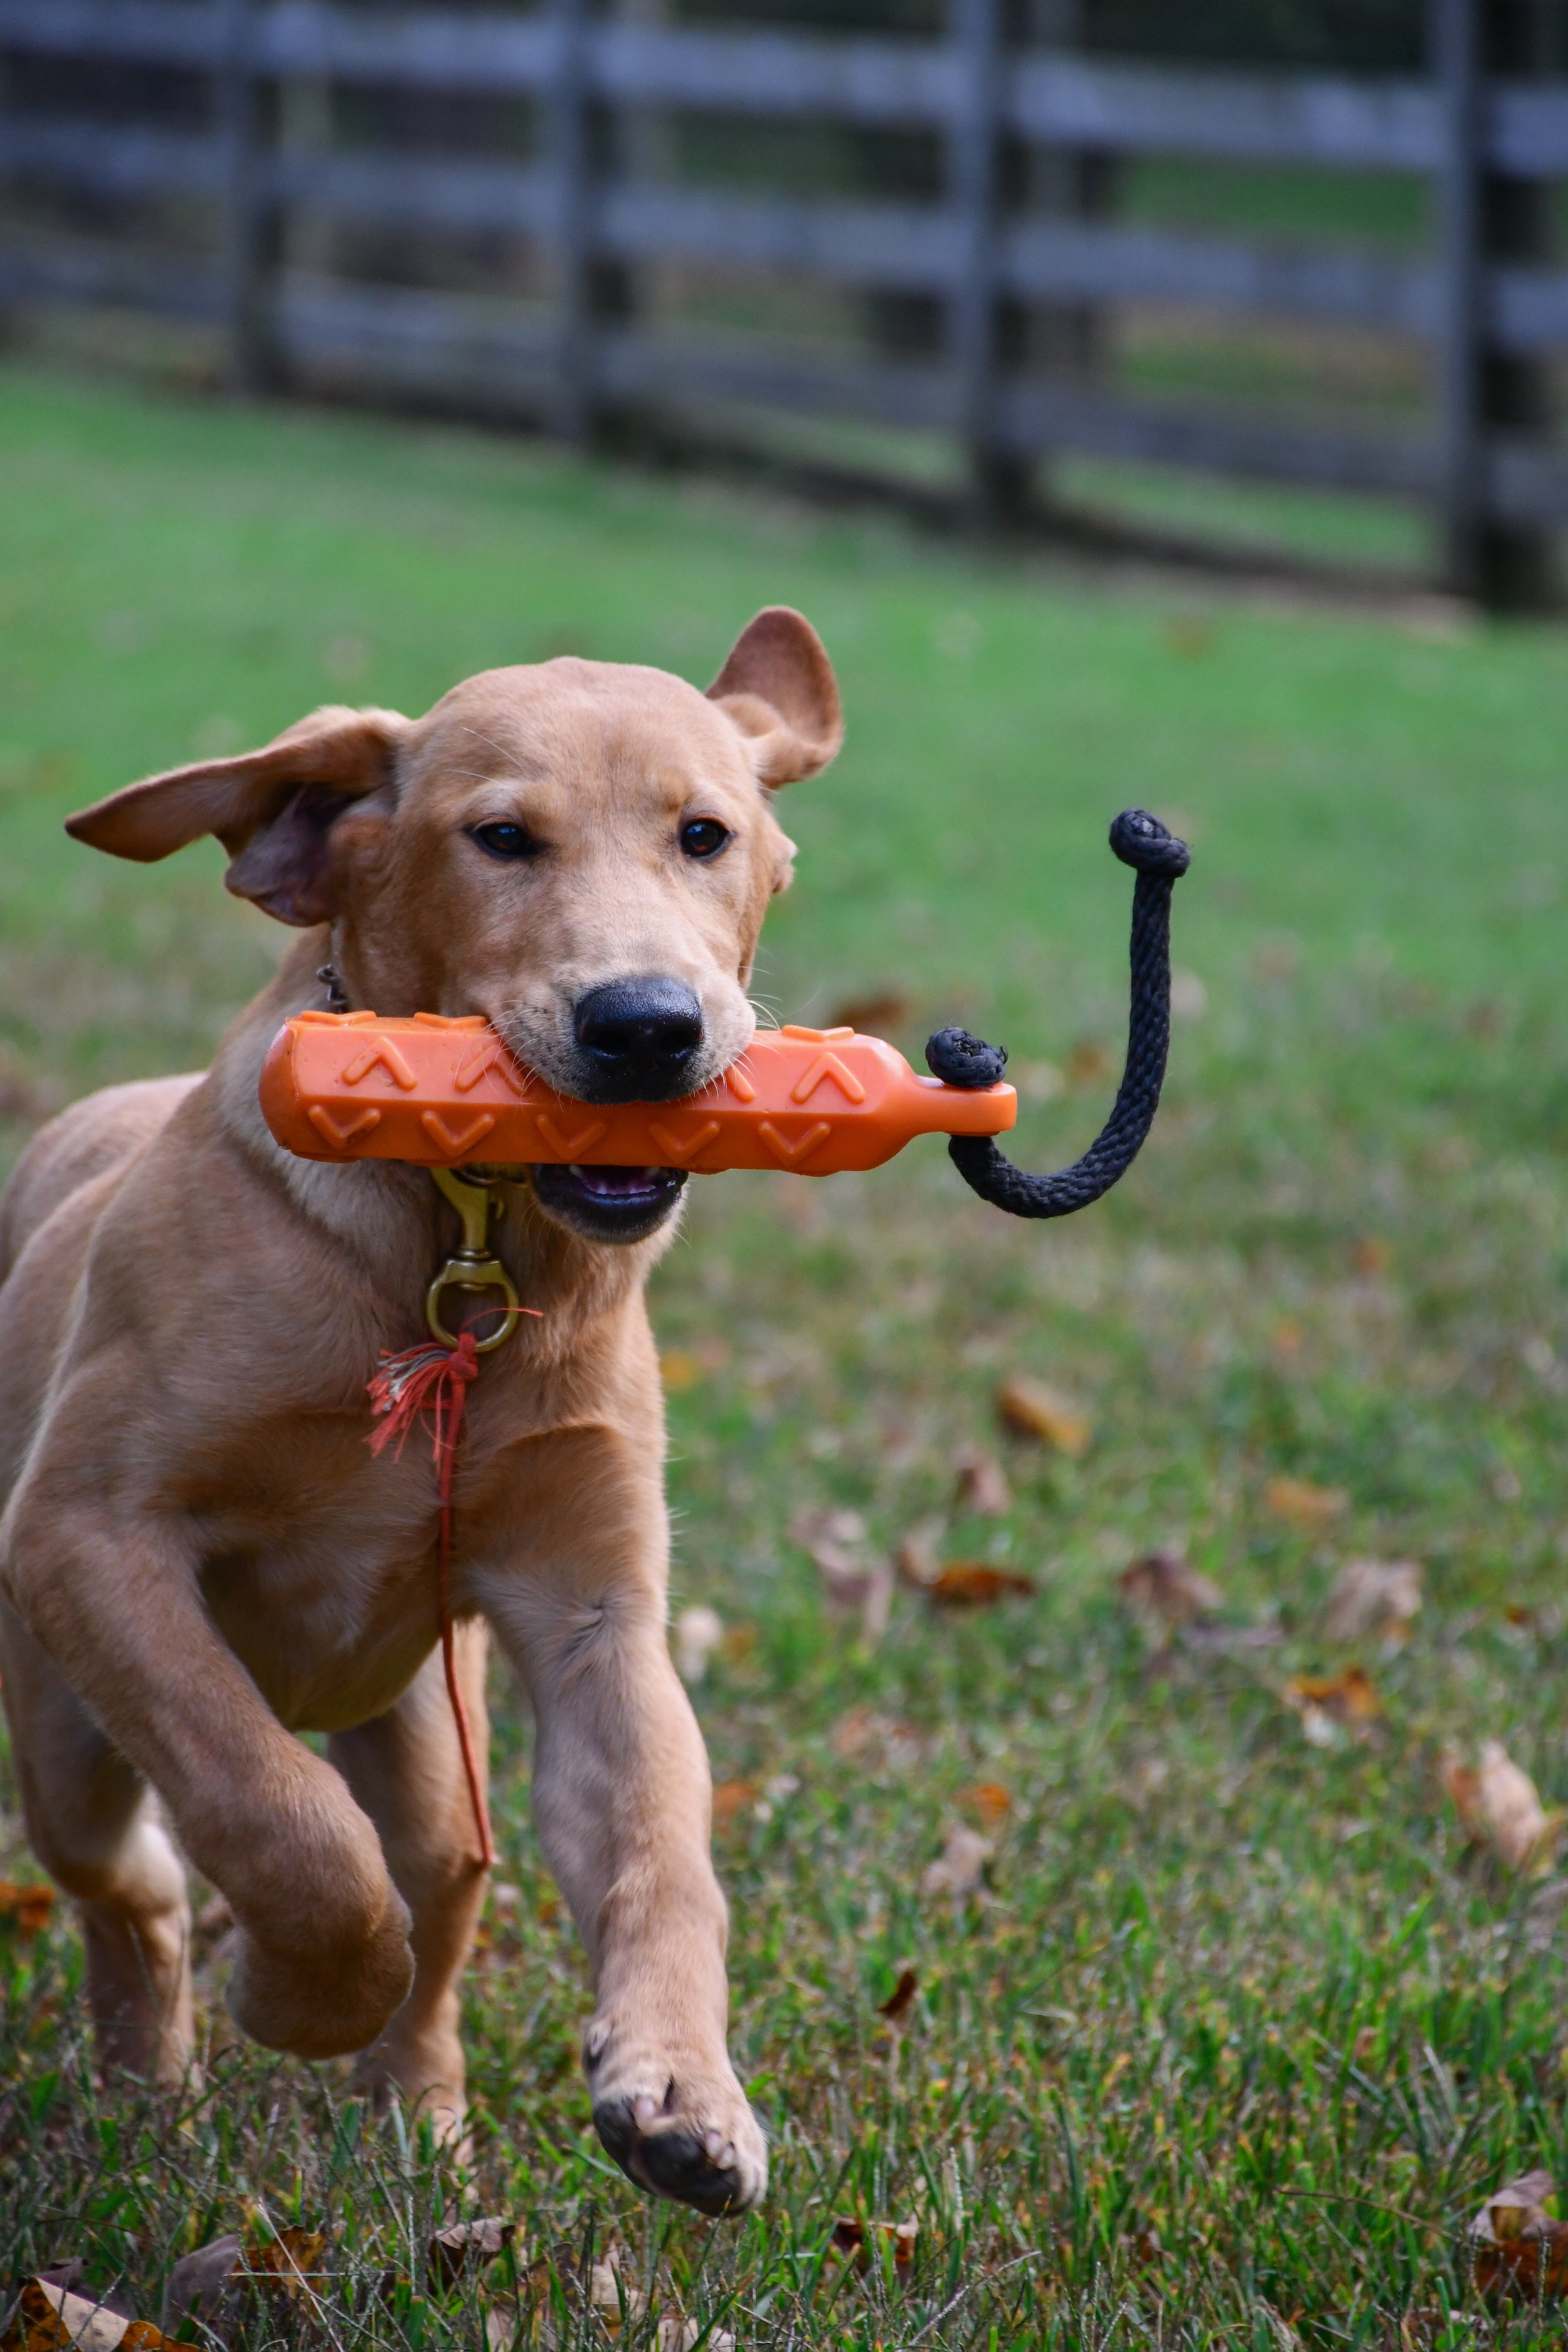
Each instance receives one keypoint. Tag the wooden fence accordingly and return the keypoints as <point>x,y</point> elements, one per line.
<point>1481,299</point>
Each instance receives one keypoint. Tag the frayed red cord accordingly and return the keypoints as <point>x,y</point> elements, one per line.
<point>435,1380</point>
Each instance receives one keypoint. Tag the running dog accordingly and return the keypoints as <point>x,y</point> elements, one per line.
<point>199,1557</point>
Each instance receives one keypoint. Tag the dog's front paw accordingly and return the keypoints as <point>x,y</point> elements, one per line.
<point>323,2004</point>
<point>674,2122</point>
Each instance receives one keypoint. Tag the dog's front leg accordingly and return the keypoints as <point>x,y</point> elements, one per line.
<point>113,1595</point>
<point>623,1800</point>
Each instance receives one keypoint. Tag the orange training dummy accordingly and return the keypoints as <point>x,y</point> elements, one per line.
<point>349,1086</point>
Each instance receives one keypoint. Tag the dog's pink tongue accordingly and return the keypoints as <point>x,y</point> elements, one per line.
<point>614,1182</point>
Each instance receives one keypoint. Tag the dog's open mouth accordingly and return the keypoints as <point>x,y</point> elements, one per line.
<point>608,1204</point>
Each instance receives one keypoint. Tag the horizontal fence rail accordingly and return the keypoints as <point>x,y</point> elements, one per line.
<point>1474,304</point>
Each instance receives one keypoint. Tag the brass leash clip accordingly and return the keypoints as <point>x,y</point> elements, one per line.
<point>473,1268</point>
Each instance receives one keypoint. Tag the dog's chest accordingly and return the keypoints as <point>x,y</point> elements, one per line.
<point>322,1574</point>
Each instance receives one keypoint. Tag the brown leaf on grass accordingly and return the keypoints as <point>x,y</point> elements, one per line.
<point>292,2262</point>
<point>981,1484</point>
<point>28,1903</point>
<point>864,1732</point>
<point>1030,1409</point>
<point>51,2318</point>
<point>850,2237</point>
<point>917,1558</point>
<point>674,2333</point>
<point>1087,1063</point>
<point>697,1632</point>
<point>201,2283</point>
<point>1304,1504</point>
<point>974,1584</point>
<point>1376,1597</point>
<point>1349,1698</point>
<point>613,2295</point>
<point>850,1582</point>
<point>1519,2248</point>
<point>896,2005</point>
<point>1499,1804</point>
<point>1162,1585</point>
<point>837,1528</point>
<point>990,1801</point>
<point>882,1008</point>
<point>465,2247</point>
<point>731,1798</point>
<point>685,1368</point>
<point>956,1870</point>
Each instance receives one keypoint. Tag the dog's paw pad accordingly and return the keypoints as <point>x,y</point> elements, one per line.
<point>667,2155</point>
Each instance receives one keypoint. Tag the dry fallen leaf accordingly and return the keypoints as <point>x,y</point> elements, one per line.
<point>1499,1803</point>
<point>956,1870</point>
<point>982,1484</point>
<point>731,1798</point>
<point>29,1903</point>
<point>616,2298</point>
<point>1349,1698</point>
<point>990,1801</point>
<point>809,1528</point>
<point>674,2333</point>
<point>683,1367</point>
<point>51,2318</point>
<point>883,1008</point>
<point>1375,1597</point>
<point>974,1584</point>
<point>849,2237</point>
<point>917,1558</point>
<point>465,2247</point>
<point>1163,1586</point>
<point>1031,1410</point>
<point>291,2262</point>
<point>698,1633</point>
<point>1087,1063</point>
<point>1304,1503</point>
<point>851,1582</point>
<point>1519,2248</point>
<point>897,2005</point>
<point>200,2284</point>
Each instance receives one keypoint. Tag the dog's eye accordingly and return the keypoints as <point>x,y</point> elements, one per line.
<point>703,837</point>
<point>506,840</point>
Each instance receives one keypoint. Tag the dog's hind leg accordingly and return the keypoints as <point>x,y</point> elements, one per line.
<point>405,1770</point>
<point>93,1824</point>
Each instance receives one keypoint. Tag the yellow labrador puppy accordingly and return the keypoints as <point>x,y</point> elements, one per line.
<point>199,1556</point>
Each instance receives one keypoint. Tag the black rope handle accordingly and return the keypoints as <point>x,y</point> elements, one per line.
<point>1160,860</point>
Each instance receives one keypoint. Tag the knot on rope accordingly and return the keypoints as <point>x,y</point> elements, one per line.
<point>1141,842</point>
<point>959,1059</point>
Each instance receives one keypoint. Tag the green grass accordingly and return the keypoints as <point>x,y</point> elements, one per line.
<point>1252,1994</point>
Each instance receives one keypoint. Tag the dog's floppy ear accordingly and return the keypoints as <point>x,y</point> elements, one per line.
<point>273,810</point>
<point>778,688</point>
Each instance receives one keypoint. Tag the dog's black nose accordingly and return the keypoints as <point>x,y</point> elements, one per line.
<point>639,1039</point>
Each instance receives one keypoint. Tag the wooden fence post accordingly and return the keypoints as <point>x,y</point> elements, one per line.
<point>1065,339</point>
<point>249,210</point>
<point>995,485</point>
<point>1486,216</point>
<point>573,416</point>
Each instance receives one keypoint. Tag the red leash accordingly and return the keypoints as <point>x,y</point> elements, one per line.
<point>436,1379</point>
